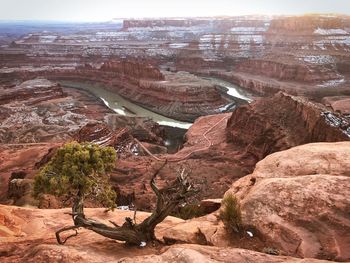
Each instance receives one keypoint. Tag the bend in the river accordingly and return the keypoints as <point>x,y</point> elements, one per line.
<point>124,107</point>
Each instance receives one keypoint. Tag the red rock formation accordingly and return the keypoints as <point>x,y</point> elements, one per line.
<point>27,236</point>
<point>293,54</point>
<point>36,228</point>
<point>215,161</point>
<point>141,128</point>
<point>298,72</point>
<point>219,153</point>
<point>297,200</point>
<point>280,122</point>
<point>41,111</point>
<point>306,24</point>
<point>101,134</point>
<point>181,95</point>
<point>197,253</point>
<point>338,103</point>
<point>132,69</point>
<point>211,165</point>
<point>17,160</point>
<point>31,92</point>
<point>122,139</point>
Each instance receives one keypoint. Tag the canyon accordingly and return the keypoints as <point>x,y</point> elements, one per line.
<point>255,106</point>
<point>300,55</point>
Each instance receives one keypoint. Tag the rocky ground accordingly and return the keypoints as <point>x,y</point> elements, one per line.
<point>285,155</point>
<point>289,198</point>
<point>27,235</point>
<point>41,111</point>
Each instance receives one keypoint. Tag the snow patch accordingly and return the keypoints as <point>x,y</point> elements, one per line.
<point>47,39</point>
<point>108,34</point>
<point>178,45</point>
<point>331,83</point>
<point>248,30</point>
<point>123,207</point>
<point>142,244</point>
<point>333,31</point>
<point>321,59</point>
<point>337,122</point>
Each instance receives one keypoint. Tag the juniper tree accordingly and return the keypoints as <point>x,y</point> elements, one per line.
<point>80,170</point>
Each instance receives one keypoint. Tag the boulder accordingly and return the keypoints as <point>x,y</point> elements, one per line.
<point>299,200</point>
<point>206,230</point>
<point>210,205</point>
<point>20,191</point>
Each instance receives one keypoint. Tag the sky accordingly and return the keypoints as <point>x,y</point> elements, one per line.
<point>105,10</point>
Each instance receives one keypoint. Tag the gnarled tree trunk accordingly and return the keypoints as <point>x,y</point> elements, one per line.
<point>167,199</point>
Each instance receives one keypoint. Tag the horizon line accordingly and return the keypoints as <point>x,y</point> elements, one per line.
<point>169,17</point>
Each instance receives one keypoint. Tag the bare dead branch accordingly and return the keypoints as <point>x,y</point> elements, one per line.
<point>135,215</point>
<point>64,230</point>
<point>167,199</point>
<point>113,223</point>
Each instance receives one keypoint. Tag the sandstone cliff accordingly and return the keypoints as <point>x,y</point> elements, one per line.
<point>306,24</point>
<point>181,96</point>
<point>298,199</point>
<point>286,71</point>
<point>133,69</point>
<point>281,122</point>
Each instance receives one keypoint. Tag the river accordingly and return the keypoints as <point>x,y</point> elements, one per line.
<point>124,107</point>
<point>233,90</point>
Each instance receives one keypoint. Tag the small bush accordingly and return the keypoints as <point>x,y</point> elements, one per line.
<point>189,211</point>
<point>230,213</point>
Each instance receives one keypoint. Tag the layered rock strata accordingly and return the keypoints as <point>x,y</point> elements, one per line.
<point>298,199</point>
<point>39,110</point>
<point>297,54</point>
<point>281,122</point>
<point>180,95</point>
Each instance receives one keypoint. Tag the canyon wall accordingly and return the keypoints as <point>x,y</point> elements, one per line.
<point>307,24</point>
<point>297,72</point>
<point>133,69</point>
<point>263,54</point>
<point>281,122</point>
<point>181,96</point>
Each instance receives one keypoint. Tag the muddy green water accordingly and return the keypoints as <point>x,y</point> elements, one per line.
<point>122,106</point>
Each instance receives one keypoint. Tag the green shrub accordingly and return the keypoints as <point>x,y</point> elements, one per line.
<point>78,167</point>
<point>189,211</point>
<point>230,213</point>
